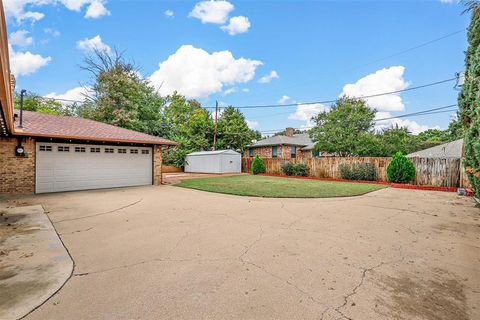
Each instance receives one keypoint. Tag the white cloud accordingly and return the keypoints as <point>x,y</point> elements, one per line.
<point>212,11</point>
<point>22,10</point>
<point>245,90</point>
<point>230,91</point>
<point>237,25</point>
<point>52,32</point>
<point>77,93</point>
<point>20,38</point>
<point>169,13</point>
<point>305,112</point>
<point>384,80</point>
<point>17,9</point>
<point>449,1</point>
<point>284,99</point>
<point>412,126</point>
<point>96,9</point>
<point>25,63</point>
<point>269,77</point>
<point>196,73</point>
<point>95,43</point>
<point>252,124</point>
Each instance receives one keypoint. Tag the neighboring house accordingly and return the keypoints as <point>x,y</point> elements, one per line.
<point>51,153</point>
<point>285,146</point>
<point>452,149</point>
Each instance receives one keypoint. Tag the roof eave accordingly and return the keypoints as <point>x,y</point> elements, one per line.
<point>59,136</point>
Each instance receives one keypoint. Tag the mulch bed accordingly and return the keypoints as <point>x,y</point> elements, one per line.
<point>393,185</point>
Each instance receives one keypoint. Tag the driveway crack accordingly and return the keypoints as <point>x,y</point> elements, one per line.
<point>101,213</point>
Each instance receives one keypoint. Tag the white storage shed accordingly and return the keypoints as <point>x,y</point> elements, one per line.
<point>220,161</point>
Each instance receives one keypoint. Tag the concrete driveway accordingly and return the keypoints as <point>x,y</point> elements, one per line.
<point>172,253</point>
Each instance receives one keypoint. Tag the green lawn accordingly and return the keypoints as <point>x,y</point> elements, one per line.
<point>276,187</point>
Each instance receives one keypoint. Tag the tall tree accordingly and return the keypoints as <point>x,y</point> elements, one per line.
<point>344,128</point>
<point>119,95</point>
<point>469,98</point>
<point>233,131</point>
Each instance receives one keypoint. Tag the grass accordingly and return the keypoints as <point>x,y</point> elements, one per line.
<point>277,187</point>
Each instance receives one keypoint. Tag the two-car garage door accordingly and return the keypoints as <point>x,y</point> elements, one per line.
<point>67,167</point>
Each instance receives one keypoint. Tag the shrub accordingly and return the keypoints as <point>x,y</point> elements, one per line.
<point>258,166</point>
<point>400,169</point>
<point>358,171</point>
<point>296,169</point>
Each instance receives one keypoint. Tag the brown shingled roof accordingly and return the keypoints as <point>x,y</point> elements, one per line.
<point>38,124</point>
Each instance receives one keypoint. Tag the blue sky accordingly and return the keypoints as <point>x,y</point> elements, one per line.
<point>251,52</point>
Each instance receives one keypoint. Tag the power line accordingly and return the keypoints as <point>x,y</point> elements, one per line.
<point>335,100</point>
<point>443,109</point>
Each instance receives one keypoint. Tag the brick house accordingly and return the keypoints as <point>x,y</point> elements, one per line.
<point>51,153</point>
<point>283,147</point>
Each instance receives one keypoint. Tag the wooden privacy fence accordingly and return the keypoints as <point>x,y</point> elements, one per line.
<point>442,172</point>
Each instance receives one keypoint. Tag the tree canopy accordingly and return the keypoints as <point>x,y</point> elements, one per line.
<point>469,99</point>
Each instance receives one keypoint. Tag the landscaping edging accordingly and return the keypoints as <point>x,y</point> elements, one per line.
<point>393,185</point>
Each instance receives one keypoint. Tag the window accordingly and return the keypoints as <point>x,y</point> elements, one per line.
<point>274,152</point>
<point>145,151</point>
<point>108,150</point>
<point>45,148</point>
<point>134,151</point>
<point>95,150</point>
<point>79,149</point>
<point>316,154</point>
<point>122,150</point>
<point>293,152</point>
<point>63,149</point>
<point>250,152</point>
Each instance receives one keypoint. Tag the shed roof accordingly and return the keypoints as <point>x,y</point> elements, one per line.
<point>204,153</point>
<point>36,124</point>
<point>447,150</point>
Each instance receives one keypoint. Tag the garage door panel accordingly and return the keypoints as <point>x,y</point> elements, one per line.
<point>66,171</point>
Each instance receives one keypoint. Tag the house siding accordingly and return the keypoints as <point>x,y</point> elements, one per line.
<point>17,174</point>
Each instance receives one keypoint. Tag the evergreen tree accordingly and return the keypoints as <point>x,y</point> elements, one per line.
<point>469,99</point>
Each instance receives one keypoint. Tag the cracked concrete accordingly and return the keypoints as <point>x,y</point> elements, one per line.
<point>186,254</point>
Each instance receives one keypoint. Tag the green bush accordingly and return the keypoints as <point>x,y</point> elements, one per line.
<point>400,169</point>
<point>296,169</point>
<point>358,171</point>
<point>258,166</point>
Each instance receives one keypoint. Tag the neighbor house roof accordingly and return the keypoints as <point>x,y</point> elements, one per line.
<point>448,150</point>
<point>302,140</point>
<point>38,124</point>
<point>204,153</point>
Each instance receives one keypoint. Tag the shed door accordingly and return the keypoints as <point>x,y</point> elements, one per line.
<point>67,167</point>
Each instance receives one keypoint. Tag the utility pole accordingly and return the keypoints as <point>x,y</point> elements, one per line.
<point>215,130</point>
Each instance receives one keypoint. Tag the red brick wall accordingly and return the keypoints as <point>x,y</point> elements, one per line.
<point>17,174</point>
<point>157,165</point>
<point>283,152</point>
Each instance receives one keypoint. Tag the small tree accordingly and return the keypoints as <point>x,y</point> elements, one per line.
<point>400,169</point>
<point>258,166</point>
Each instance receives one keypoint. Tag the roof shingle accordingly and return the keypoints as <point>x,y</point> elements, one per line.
<point>38,124</point>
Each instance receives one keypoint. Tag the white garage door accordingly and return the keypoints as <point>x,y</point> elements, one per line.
<point>67,167</point>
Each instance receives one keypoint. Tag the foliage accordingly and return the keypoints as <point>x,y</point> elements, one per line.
<point>262,186</point>
<point>400,169</point>
<point>341,130</point>
<point>296,169</point>
<point>233,131</point>
<point>284,132</point>
<point>258,166</point>
<point>119,96</point>
<point>358,171</point>
<point>469,99</point>
<point>33,102</point>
